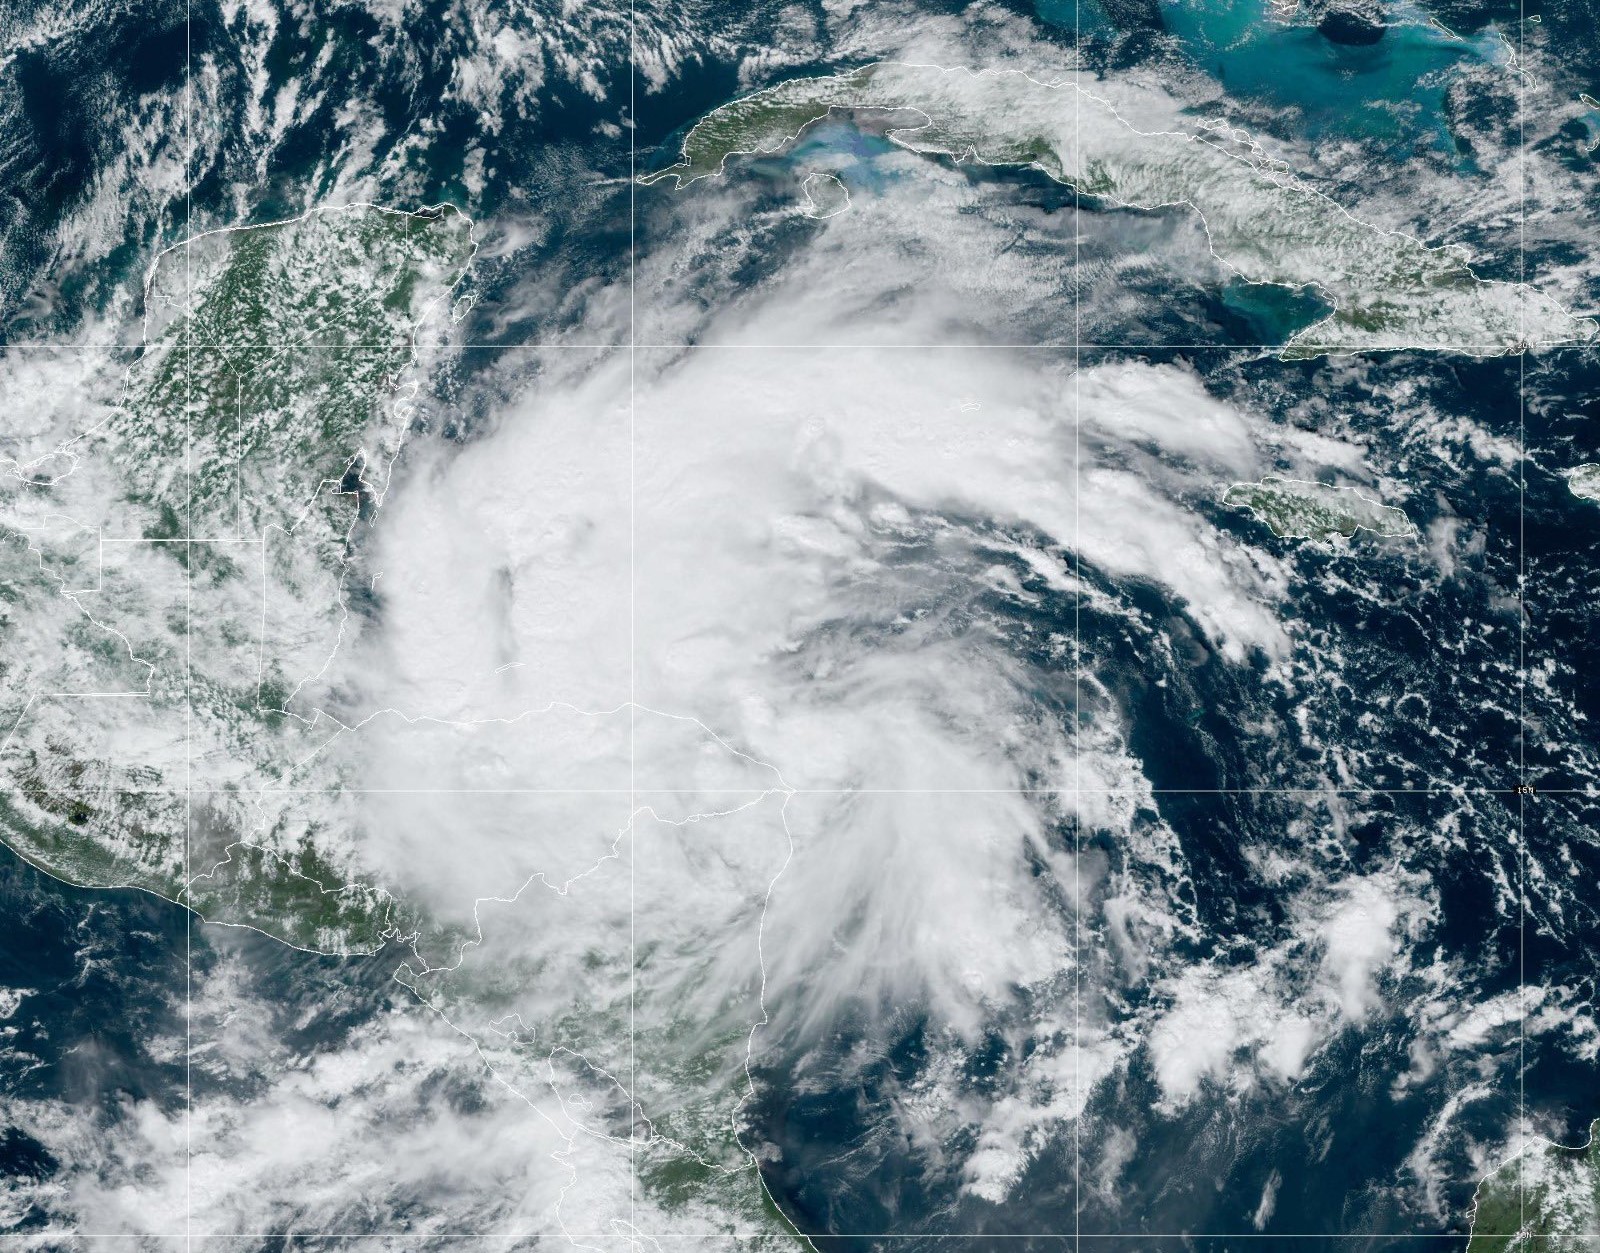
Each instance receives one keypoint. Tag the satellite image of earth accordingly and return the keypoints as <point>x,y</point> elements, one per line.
<point>842,625</point>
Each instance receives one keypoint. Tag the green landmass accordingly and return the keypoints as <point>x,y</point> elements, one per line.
<point>180,571</point>
<point>175,577</point>
<point>1547,1198</point>
<point>1387,290</point>
<point>1295,509</point>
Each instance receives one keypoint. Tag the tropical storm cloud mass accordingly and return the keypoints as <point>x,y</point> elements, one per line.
<point>846,626</point>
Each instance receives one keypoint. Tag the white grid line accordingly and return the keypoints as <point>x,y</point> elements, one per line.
<point>1077,346</point>
<point>620,1241</point>
<point>650,789</point>
<point>1522,616</point>
<point>633,656</point>
<point>1220,346</point>
<point>711,1237</point>
<point>1077,641</point>
<point>188,584</point>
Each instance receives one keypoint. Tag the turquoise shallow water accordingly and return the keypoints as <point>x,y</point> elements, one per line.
<point>843,150</point>
<point>1273,313</point>
<point>1392,90</point>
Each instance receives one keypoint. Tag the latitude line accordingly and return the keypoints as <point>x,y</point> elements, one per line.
<point>1219,346</point>
<point>1077,349</point>
<point>1063,1235</point>
<point>664,790</point>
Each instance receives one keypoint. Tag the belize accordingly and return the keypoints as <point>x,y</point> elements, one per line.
<point>810,626</point>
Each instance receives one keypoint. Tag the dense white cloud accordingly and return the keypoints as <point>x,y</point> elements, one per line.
<point>399,1127</point>
<point>757,575</point>
<point>692,652</point>
<point>1231,1025</point>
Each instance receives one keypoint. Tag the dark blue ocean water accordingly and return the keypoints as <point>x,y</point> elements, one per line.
<point>1423,692</point>
<point>103,976</point>
<point>77,110</point>
<point>107,978</point>
<point>1410,680</point>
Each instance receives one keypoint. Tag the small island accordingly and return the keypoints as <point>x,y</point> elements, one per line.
<point>1296,509</point>
<point>826,196</point>
<point>1584,481</point>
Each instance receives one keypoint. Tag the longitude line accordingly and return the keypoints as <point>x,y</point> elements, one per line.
<point>633,709</point>
<point>1077,347</point>
<point>1522,614</point>
<point>1077,639</point>
<point>188,584</point>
